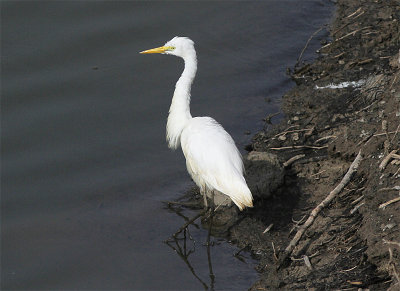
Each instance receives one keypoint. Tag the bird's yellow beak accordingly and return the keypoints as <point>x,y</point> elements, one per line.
<point>157,50</point>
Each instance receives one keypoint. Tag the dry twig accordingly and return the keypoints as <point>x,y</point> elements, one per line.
<point>394,80</point>
<point>348,270</point>
<point>397,130</point>
<point>385,133</point>
<point>391,263</point>
<point>299,147</point>
<point>358,199</point>
<point>308,41</point>
<point>273,248</point>
<point>292,160</point>
<point>286,131</point>
<point>268,228</point>
<point>356,207</point>
<point>347,35</point>
<point>307,262</point>
<point>390,189</point>
<point>383,205</point>
<point>387,159</point>
<point>389,242</point>
<point>353,168</point>
<point>317,174</point>
<point>325,137</point>
<point>354,13</point>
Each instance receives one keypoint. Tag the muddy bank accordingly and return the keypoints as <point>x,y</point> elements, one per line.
<point>346,101</point>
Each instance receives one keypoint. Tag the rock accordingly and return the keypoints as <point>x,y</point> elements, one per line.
<point>264,173</point>
<point>220,199</point>
<point>282,137</point>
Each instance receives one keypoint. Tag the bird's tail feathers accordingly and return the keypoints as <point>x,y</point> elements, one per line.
<point>240,195</point>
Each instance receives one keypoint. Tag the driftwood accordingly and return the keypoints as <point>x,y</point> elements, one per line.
<point>292,160</point>
<point>383,205</point>
<point>314,213</point>
<point>387,159</point>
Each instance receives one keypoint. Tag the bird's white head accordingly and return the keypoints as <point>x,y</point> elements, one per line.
<point>178,46</point>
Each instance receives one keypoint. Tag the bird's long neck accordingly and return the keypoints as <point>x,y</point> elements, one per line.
<point>179,112</point>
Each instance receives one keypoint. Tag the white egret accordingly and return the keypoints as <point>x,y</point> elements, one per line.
<point>212,158</point>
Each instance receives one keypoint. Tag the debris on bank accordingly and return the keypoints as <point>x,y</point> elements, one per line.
<point>326,179</point>
<point>345,104</point>
<point>354,84</point>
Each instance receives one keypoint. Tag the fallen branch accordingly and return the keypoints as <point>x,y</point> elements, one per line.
<point>299,147</point>
<point>364,61</point>
<point>354,13</point>
<point>286,131</point>
<point>394,80</point>
<point>358,199</point>
<point>307,262</point>
<point>273,248</point>
<point>387,159</point>
<point>325,137</point>
<point>307,43</point>
<point>351,15</point>
<point>356,208</point>
<point>310,256</point>
<point>391,263</point>
<point>348,270</point>
<point>392,242</point>
<point>317,174</point>
<point>383,205</point>
<point>395,188</point>
<point>292,160</point>
<point>268,228</point>
<point>397,130</point>
<point>346,179</point>
<point>347,35</point>
<point>385,133</point>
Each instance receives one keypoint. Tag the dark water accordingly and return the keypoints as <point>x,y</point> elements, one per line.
<point>85,166</point>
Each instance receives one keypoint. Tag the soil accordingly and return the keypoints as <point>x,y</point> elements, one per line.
<point>347,245</point>
<point>354,242</point>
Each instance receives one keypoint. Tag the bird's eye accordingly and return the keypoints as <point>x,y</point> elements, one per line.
<point>171,48</point>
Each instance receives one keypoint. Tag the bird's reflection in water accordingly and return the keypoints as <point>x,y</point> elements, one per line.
<point>184,245</point>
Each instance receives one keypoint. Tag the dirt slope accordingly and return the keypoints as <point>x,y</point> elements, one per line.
<point>355,241</point>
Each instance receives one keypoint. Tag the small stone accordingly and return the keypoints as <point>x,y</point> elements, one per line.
<point>388,226</point>
<point>337,117</point>
<point>282,137</point>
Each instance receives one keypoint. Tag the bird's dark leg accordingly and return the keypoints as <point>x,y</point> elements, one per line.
<point>204,193</point>
<point>212,201</point>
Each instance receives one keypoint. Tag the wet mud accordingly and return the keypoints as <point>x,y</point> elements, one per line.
<point>346,101</point>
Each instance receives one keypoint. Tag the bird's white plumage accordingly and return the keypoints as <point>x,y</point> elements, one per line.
<point>212,158</point>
